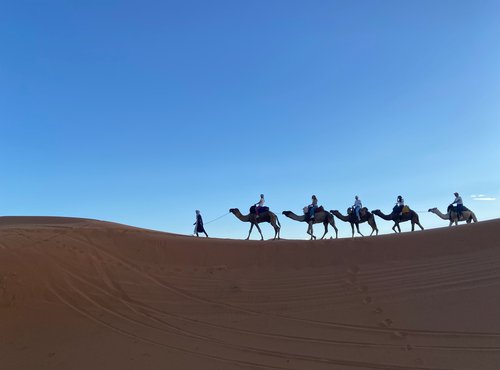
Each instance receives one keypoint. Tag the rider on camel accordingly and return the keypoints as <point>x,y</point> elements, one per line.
<point>460,205</point>
<point>312,207</point>
<point>259,205</point>
<point>400,203</point>
<point>357,207</point>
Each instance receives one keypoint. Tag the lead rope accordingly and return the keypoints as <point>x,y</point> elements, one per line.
<point>215,219</point>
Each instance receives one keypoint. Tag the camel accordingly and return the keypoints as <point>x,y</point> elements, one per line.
<point>467,215</point>
<point>323,217</point>
<point>353,220</point>
<point>407,216</point>
<point>267,216</point>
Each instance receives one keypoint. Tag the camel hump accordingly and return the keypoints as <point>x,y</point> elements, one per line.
<point>406,209</point>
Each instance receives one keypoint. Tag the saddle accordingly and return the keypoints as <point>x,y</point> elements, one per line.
<point>453,208</point>
<point>362,212</point>
<point>306,212</point>
<point>398,213</point>
<point>261,209</point>
<point>319,209</point>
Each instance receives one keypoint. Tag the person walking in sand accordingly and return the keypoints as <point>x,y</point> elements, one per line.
<point>357,207</point>
<point>460,205</point>
<point>198,228</point>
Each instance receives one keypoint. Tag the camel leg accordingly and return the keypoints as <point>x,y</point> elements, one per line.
<point>309,231</point>
<point>374,227</point>
<point>332,224</point>
<point>357,228</point>
<point>250,231</point>
<point>274,224</point>
<point>352,229</point>
<point>326,229</point>
<point>260,231</point>
<point>394,227</point>
<point>277,230</point>
<point>413,226</point>
<point>421,227</point>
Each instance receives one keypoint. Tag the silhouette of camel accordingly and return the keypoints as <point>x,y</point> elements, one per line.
<point>267,216</point>
<point>451,216</point>
<point>408,216</point>
<point>365,215</point>
<point>323,217</point>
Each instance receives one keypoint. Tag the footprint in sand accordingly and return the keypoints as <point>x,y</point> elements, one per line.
<point>378,310</point>
<point>386,323</point>
<point>367,300</point>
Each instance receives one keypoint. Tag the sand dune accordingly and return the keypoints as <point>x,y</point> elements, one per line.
<point>86,294</point>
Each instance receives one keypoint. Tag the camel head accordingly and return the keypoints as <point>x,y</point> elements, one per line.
<point>432,209</point>
<point>376,211</point>
<point>286,213</point>
<point>232,210</point>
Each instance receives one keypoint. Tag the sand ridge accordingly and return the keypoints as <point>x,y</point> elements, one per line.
<point>80,294</point>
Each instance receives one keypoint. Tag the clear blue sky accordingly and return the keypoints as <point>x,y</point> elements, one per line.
<point>140,112</point>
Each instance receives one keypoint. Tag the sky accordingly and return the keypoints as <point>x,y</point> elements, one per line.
<point>141,112</point>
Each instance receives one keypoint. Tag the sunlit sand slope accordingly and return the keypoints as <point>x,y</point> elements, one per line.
<point>86,294</point>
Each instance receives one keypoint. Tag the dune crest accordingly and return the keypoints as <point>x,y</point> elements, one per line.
<point>81,294</point>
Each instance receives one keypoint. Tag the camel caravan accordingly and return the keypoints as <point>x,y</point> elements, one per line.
<point>357,214</point>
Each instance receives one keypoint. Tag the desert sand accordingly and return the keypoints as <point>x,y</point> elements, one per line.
<point>87,294</point>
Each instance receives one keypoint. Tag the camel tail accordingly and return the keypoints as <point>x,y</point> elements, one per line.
<point>473,216</point>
